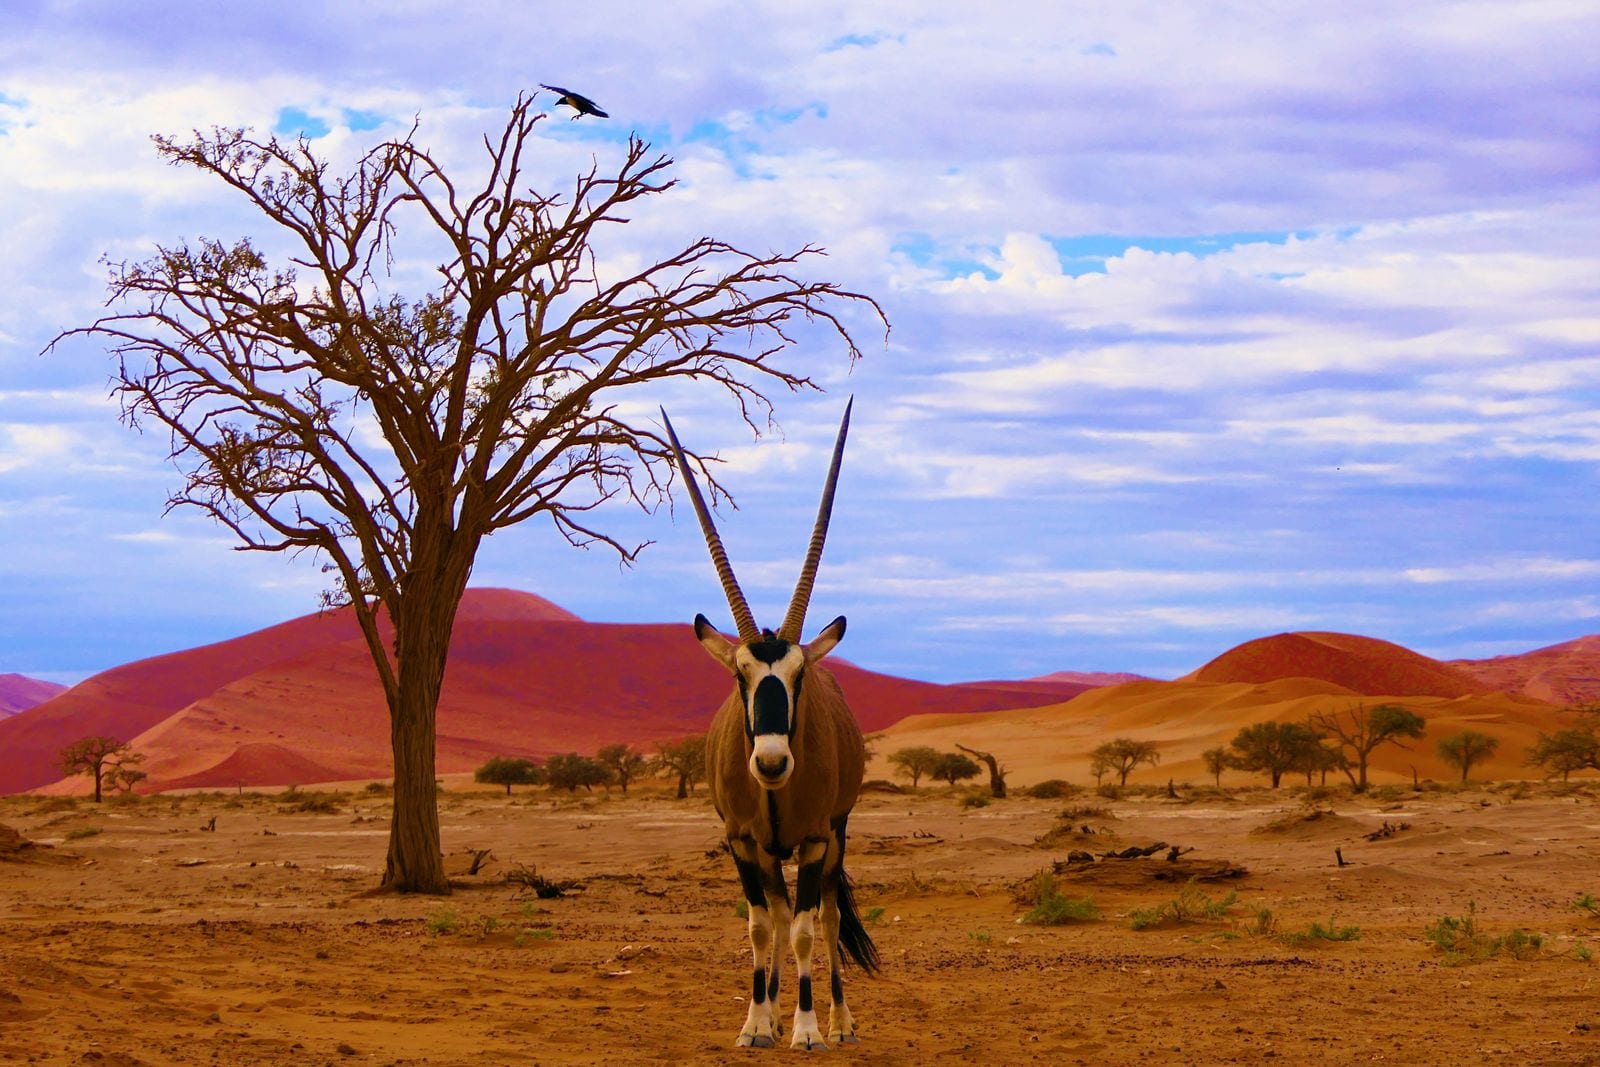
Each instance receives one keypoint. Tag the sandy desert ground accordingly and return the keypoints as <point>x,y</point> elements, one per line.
<point>139,937</point>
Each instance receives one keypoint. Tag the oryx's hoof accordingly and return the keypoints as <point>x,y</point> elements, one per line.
<point>809,1041</point>
<point>754,1041</point>
<point>845,1039</point>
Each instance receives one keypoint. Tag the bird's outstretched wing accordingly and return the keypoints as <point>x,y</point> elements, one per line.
<point>577,101</point>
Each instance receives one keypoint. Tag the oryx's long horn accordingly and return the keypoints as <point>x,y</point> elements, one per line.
<point>795,621</point>
<point>719,558</point>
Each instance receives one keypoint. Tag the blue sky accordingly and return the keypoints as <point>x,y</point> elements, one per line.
<point>1209,322</point>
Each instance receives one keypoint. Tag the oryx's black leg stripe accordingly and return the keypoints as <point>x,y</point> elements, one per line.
<point>750,879</point>
<point>805,993</point>
<point>758,986</point>
<point>837,981</point>
<point>808,887</point>
<point>772,982</point>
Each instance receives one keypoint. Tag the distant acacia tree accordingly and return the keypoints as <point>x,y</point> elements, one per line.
<point>314,406</point>
<point>1216,761</point>
<point>1361,730</point>
<point>1565,751</point>
<point>1120,756</point>
<point>623,762</point>
<point>686,759</point>
<point>915,761</point>
<point>953,767</point>
<point>1273,748</point>
<point>571,771</point>
<point>509,771</point>
<point>107,760</point>
<point>1462,750</point>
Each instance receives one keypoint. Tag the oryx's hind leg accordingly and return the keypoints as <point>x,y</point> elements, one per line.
<point>760,1024</point>
<point>803,937</point>
<point>841,1027</point>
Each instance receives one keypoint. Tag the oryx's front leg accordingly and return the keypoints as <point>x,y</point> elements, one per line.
<point>803,931</point>
<point>759,1023</point>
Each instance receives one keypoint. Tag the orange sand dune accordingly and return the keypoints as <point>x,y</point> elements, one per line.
<point>1184,718</point>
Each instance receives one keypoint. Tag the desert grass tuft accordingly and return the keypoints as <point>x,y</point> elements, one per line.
<point>1192,904</point>
<point>1461,941</point>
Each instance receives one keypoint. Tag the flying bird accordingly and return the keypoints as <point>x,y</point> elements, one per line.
<point>577,101</point>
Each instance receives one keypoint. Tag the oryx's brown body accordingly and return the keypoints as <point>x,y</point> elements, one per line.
<point>828,754</point>
<point>785,760</point>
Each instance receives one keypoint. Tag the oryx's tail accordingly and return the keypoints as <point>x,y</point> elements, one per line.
<point>853,935</point>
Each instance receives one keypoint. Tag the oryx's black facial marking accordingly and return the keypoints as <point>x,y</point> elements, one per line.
<point>769,649</point>
<point>770,707</point>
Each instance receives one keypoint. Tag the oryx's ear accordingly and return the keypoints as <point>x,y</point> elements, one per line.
<point>717,646</point>
<point>823,643</point>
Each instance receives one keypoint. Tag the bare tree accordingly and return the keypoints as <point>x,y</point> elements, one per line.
<point>313,406</point>
<point>997,773</point>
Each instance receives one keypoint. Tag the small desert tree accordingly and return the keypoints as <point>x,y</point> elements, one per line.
<point>1565,751</point>
<point>1273,748</point>
<point>509,771</point>
<point>569,771</point>
<point>623,762</point>
<point>1462,750</point>
<point>318,403</point>
<point>1361,730</point>
<point>1216,761</point>
<point>102,758</point>
<point>953,767</point>
<point>686,759</point>
<point>1120,756</point>
<point>915,761</point>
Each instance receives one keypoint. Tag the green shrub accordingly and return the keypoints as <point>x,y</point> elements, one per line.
<point>974,800</point>
<point>82,832</point>
<point>1053,908</point>
<point>444,921</point>
<point>1052,789</point>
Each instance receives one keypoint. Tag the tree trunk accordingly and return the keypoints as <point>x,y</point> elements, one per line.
<point>683,786</point>
<point>422,624</point>
<point>997,777</point>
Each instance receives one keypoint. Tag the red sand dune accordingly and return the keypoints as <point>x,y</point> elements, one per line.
<point>525,678</point>
<point>1363,665</point>
<point>128,700</point>
<point>18,692</point>
<point>1568,673</point>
